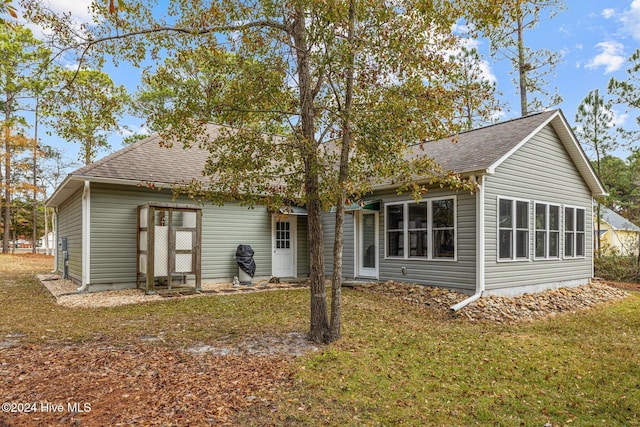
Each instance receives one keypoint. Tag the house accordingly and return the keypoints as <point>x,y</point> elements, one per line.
<point>523,230</point>
<point>96,216</point>
<point>618,233</point>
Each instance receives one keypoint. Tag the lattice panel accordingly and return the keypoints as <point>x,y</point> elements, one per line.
<point>184,263</point>
<point>184,240</point>
<point>143,240</point>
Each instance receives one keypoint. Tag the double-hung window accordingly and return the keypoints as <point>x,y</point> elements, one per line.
<point>574,232</point>
<point>547,221</point>
<point>513,229</point>
<point>428,228</point>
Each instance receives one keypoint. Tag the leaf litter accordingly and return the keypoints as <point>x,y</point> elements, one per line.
<point>136,384</point>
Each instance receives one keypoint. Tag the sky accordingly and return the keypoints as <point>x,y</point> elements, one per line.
<point>595,38</point>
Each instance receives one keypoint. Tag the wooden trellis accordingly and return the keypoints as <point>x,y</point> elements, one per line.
<point>169,244</point>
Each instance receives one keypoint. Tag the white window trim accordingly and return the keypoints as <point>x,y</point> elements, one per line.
<point>575,232</point>
<point>405,229</point>
<point>514,229</point>
<point>548,231</point>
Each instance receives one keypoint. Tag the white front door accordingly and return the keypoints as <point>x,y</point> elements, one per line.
<point>284,246</point>
<point>368,244</point>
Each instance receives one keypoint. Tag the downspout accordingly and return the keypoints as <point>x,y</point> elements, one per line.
<point>86,238</point>
<point>479,246</point>
<point>54,217</point>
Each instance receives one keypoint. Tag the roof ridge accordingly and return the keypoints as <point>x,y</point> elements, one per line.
<point>514,119</point>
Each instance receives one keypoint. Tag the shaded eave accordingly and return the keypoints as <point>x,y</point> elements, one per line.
<point>571,144</point>
<point>73,183</point>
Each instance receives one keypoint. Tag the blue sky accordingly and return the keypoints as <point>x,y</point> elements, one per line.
<point>595,38</point>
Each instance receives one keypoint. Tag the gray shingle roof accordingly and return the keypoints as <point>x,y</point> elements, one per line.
<point>479,149</point>
<point>617,221</point>
<point>148,161</point>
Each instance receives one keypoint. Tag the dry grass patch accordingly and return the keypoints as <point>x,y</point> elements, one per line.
<point>397,364</point>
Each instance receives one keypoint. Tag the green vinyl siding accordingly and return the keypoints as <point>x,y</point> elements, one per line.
<point>540,171</point>
<point>303,246</point>
<point>348,250</point>
<point>113,234</point>
<point>69,220</point>
<point>458,274</point>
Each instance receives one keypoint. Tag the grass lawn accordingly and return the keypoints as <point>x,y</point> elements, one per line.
<point>396,364</point>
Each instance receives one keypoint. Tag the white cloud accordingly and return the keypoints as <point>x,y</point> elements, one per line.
<point>608,13</point>
<point>486,72</point>
<point>619,118</point>
<point>611,57</point>
<point>631,19</point>
<point>79,8</point>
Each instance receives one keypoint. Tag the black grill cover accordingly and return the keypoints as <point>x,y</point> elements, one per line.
<point>244,257</point>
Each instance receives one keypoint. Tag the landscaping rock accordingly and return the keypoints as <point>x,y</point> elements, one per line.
<point>501,309</point>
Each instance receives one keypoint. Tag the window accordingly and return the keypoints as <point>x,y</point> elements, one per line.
<point>513,229</point>
<point>283,235</point>
<point>429,227</point>
<point>443,228</point>
<point>418,230</point>
<point>547,244</point>
<point>574,232</point>
<point>395,233</point>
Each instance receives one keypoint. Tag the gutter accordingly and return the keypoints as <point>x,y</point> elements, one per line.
<point>480,283</point>
<point>86,237</point>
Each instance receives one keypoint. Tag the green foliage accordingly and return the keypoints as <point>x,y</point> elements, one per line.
<point>594,128</point>
<point>621,178</point>
<point>85,108</point>
<point>478,95</point>
<point>627,92</point>
<point>132,139</point>
<point>247,76</point>
<point>618,268</point>
<point>531,67</point>
<point>21,64</point>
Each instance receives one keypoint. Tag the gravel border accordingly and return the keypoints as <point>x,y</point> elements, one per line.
<point>491,308</point>
<point>502,309</point>
<point>66,292</point>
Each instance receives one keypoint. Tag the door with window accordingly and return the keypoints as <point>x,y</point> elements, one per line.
<point>368,244</point>
<point>284,247</point>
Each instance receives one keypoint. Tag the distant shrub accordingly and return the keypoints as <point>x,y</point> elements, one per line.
<point>617,268</point>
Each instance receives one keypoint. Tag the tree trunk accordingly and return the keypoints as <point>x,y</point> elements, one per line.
<point>6,135</point>
<point>338,244</point>
<point>7,176</point>
<point>319,323</point>
<point>35,183</point>
<point>522,67</point>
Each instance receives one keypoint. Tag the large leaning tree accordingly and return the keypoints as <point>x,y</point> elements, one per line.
<point>323,97</point>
